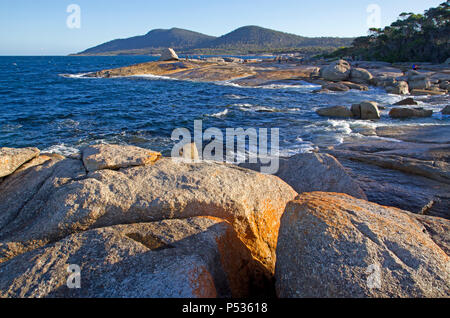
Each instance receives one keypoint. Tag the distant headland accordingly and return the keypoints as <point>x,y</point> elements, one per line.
<point>245,40</point>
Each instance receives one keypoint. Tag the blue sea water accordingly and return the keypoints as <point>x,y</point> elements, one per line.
<point>46,104</point>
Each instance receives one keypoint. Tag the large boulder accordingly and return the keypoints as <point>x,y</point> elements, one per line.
<point>444,85</point>
<point>67,201</point>
<point>333,245</point>
<point>359,87</point>
<point>360,75</point>
<point>446,110</point>
<point>309,172</point>
<point>26,191</point>
<point>410,112</point>
<point>419,84</point>
<point>407,101</point>
<point>169,55</point>
<point>100,157</point>
<point>398,88</point>
<point>384,81</point>
<point>417,80</point>
<point>366,110</point>
<point>11,159</point>
<point>336,87</point>
<point>337,71</point>
<point>335,111</point>
<point>191,258</point>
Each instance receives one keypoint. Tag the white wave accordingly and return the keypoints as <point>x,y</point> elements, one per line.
<point>153,77</point>
<point>228,83</point>
<point>340,126</point>
<point>289,86</point>
<point>242,105</point>
<point>79,75</point>
<point>270,86</point>
<point>297,149</point>
<point>260,109</point>
<point>67,123</point>
<point>234,96</point>
<point>220,114</point>
<point>62,149</point>
<point>245,107</point>
<point>10,127</point>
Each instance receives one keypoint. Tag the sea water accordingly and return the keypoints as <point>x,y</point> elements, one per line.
<point>47,103</point>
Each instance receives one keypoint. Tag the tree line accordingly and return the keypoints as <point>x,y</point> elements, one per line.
<point>413,37</point>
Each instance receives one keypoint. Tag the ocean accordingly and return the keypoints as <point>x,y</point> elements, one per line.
<point>46,104</point>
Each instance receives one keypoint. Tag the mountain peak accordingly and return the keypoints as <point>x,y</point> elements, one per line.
<point>244,39</point>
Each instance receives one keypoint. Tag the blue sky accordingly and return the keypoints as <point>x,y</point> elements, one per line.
<point>30,27</point>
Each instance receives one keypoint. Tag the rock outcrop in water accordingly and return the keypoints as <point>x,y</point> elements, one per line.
<point>335,111</point>
<point>366,110</point>
<point>410,112</point>
<point>336,72</point>
<point>360,75</point>
<point>139,225</point>
<point>335,76</point>
<point>407,168</point>
<point>446,110</point>
<point>407,101</point>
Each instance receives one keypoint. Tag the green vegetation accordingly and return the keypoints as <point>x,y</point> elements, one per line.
<point>413,37</point>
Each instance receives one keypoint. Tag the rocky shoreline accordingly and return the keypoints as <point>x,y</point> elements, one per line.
<point>141,225</point>
<point>334,76</point>
<point>137,224</point>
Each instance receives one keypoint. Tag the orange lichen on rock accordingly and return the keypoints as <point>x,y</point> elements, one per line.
<point>202,283</point>
<point>245,274</point>
<point>328,241</point>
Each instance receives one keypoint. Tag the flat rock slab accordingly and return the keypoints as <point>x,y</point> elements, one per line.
<point>436,170</point>
<point>244,74</point>
<point>11,159</point>
<point>100,157</point>
<point>190,258</point>
<point>407,175</point>
<point>421,134</point>
<point>398,189</point>
<point>333,245</point>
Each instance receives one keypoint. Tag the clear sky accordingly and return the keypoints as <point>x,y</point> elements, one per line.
<point>38,27</point>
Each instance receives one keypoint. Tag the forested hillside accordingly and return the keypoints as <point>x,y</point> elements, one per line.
<point>413,37</point>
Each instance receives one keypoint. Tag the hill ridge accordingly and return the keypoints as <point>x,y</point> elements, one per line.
<point>244,39</point>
